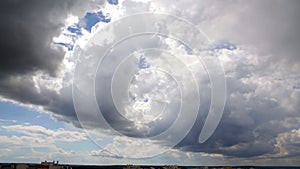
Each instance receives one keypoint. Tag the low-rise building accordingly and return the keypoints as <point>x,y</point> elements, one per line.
<point>228,167</point>
<point>172,167</point>
<point>49,165</point>
<point>22,166</point>
<point>132,167</point>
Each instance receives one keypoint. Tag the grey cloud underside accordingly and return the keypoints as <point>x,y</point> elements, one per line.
<point>26,47</point>
<point>26,34</point>
<point>265,28</point>
<point>255,116</point>
<point>27,29</point>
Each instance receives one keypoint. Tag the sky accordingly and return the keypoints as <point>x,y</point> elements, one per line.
<point>183,82</point>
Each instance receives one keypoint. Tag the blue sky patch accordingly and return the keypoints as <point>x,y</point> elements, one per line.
<point>11,112</point>
<point>67,45</point>
<point>113,2</point>
<point>92,18</point>
<point>225,45</point>
<point>89,20</point>
<point>76,29</point>
<point>143,63</point>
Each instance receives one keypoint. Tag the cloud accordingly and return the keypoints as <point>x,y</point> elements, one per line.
<point>41,135</point>
<point>125,147</point>
<point>36,143</point>
<point>288,143</point>
<point>261,73</point>
<point>256,95</point>
<point>26,35</point>
<point>33,68</point>
<point>262,69</point>
<point>10,121</point>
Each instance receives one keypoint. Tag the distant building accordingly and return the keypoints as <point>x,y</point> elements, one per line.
<point>3,166</point>
<point>172,167</point>
<point>56,167</point>
<point>22,166</point>
<point>228,167</point>
<point>205,167</point>
<point>132,167</point>
<point>49,165</point>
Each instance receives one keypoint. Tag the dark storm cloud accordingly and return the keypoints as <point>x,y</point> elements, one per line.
<point>230,139</point>
<point>255,118</point>
<point>62,105</point>
<point>26,48</point>
<point>21,88</point>
<point>27,29</point>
